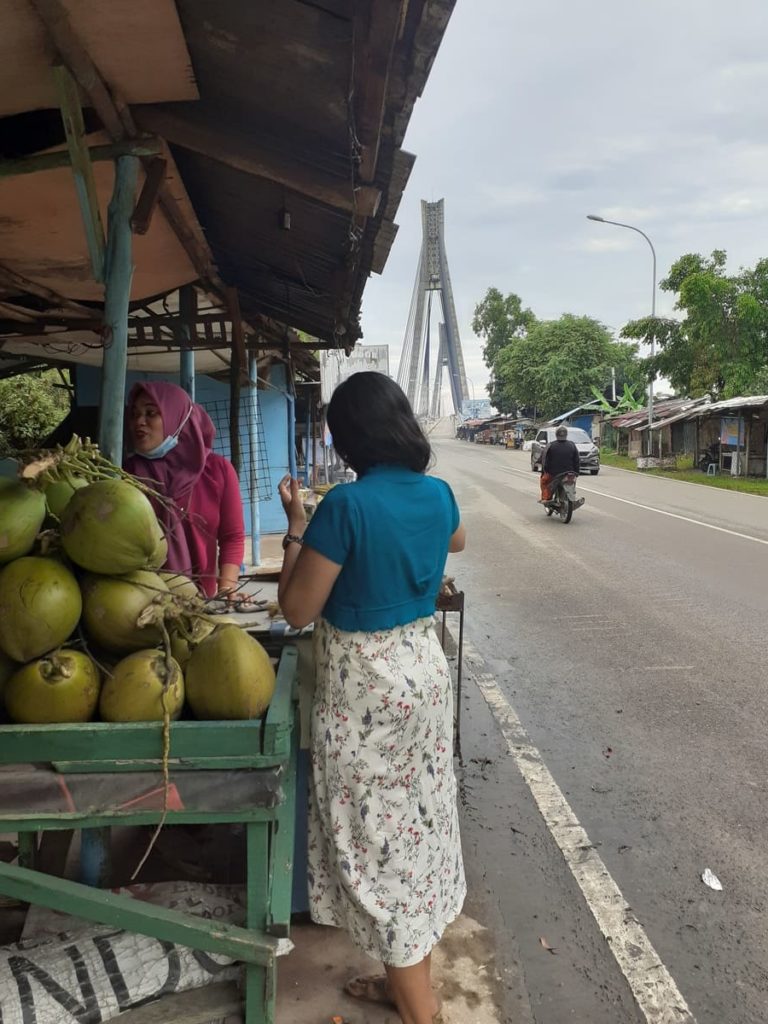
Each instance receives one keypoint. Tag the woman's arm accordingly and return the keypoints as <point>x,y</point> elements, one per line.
<point>458,540</point>
<point>307,577</point>
<point>231,537</point>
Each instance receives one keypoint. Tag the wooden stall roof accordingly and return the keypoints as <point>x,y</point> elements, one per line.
<point>281,126</point>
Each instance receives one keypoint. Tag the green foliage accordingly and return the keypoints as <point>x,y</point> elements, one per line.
<point>558,364</point>
<point>721,346</point>
<point>626,403</point>
<point>31,406</point>
<point>500,320</point>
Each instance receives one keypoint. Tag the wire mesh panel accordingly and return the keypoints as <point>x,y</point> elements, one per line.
<point>254,464</point>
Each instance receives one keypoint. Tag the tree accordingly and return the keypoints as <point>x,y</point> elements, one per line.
<point>558,363</point>
<point>501,321</point>
<point>722,342</point>
<point>31,406</point>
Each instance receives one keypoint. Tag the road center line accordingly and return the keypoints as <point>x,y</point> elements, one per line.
<point>651,508</point>
<point>653,987</point>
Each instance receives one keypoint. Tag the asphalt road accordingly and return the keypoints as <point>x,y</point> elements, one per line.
<point>632,644</point>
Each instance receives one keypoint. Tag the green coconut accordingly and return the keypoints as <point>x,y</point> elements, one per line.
<point>22,511</point>
<point>179,584</point>
<point>187,636</point>
<point>110,527</point>
<point>64,687</point>
<point>112,606</point>
<point>40,606</point>
<point>59,494</point>
<point>141,688</point>
<point>229,676</point>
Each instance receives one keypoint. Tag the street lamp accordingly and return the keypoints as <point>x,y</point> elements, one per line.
<point>618,224</point>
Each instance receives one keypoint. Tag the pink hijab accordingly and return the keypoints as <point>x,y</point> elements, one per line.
<point>176,474</point>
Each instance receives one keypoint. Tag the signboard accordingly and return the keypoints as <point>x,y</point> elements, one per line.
<point>336,367</point>
<point>476,409</point>
<point>732,431</point>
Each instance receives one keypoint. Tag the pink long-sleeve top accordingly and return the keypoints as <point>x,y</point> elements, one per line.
<point>214,524</point>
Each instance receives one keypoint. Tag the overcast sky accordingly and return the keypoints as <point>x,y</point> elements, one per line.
<point>539,113</point>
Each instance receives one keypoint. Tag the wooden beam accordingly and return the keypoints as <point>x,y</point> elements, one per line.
<point>192,131</point>
<point>117,120</point>
<point>82,168</point>
<point>197,1006</point>
<point>74,55</point>
<point>18,284</point>
<point>118,911</point>
<point>150,194</point>
<point>61,158</point>
<point>376,27</point>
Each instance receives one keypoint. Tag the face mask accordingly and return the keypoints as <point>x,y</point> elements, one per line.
<point>170,442</point>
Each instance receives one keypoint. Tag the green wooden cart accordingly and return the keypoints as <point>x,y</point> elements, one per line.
<point>259,755</point>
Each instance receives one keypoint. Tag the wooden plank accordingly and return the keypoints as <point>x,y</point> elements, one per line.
<point>118,911</point>
<point>119,273</point>
<point>376,30</point>
<point>198,1006</point>
<point>19,284</point>
<point>210,764</point>
<point>193,131</point>
<point>82,169</point>
<point>68,819</point>
<point>150,194</point>
<point>61,158</point>
<point>128,742</point>
<point>279,721</point>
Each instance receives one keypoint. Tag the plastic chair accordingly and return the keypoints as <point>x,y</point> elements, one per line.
<point>712,469</point>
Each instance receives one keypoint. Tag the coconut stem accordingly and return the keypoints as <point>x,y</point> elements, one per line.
<point>169,666</point>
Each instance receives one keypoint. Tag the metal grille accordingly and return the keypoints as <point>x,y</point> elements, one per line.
<point>254,471</point>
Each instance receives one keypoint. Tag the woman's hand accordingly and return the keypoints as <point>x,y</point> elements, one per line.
<point>288,489</point>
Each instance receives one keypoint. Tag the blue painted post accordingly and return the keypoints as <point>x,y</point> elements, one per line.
<point>118,276</point>
<point>187,313</point>
<point>291,400</point>
<point>308,446</point>
<point>253,428</point>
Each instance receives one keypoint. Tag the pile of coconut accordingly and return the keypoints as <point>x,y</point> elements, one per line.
<point>90,626</point>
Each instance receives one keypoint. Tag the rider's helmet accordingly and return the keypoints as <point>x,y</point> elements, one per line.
<point>561,433</point>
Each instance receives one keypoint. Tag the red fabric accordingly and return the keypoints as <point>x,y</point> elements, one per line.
<point>546,490</point>
<point>204,526</point>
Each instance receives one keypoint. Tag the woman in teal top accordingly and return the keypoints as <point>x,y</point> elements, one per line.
<point>384,848</point>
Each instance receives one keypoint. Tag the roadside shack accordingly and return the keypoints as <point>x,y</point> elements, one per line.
<point>183,189</point>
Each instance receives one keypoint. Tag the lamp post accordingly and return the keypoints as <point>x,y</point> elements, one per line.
<point>630,227</point>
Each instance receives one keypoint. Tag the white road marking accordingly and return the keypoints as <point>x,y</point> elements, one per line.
<point>652,508</point>
<point>653,987</point>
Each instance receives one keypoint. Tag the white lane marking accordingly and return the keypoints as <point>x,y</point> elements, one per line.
<point>653,987</point>
<point>659,511</point>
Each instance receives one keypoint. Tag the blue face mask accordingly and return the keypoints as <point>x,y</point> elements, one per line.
<point>170,442</point>
<point>162,449</point>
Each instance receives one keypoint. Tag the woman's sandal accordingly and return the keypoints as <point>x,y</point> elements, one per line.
<point>372,988</point>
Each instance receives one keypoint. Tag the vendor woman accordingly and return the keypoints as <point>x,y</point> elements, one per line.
<point>170,442</point>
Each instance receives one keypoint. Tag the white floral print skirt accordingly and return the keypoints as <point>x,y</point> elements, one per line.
<point>384,847</point>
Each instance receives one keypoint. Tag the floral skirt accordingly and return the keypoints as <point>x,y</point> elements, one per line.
<point>384,847</point>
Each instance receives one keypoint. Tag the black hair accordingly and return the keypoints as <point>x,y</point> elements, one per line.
<point>372,423</point>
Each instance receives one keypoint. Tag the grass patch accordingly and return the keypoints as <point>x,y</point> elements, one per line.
<point>685,471</point>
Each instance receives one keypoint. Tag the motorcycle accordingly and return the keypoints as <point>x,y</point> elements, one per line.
<point>563,501</point>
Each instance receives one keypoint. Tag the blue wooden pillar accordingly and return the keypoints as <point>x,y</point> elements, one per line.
<point>188,315</point>
<point>253,429</point>
<point>309,439</point>
<point>117,279</point>
<point>291,402</point>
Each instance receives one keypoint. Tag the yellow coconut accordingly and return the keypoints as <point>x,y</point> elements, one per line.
<point>188,635</point>
<point>179,584</point>
<point>112,606</point>
<point>229,676</point>
<point>141,688</point>
<point>59,494</point>
<point>40,606</point>
<point>63,687</point>
<point>7,668</point>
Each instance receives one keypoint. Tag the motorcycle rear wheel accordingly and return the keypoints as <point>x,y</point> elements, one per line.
<point>566,510</point>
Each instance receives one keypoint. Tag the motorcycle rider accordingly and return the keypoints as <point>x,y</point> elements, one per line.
<point>562,456</point>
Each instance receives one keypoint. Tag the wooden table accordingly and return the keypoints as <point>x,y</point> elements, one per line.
<point>234,772</point>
